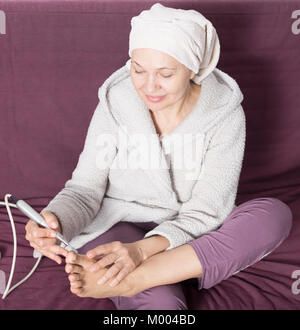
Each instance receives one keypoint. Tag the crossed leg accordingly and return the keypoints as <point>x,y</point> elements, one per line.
<point>250,232</point>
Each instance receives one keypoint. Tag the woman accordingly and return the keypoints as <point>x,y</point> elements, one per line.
<point>151,201</point>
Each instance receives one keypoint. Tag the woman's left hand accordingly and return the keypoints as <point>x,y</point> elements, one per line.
<point>125,257</point>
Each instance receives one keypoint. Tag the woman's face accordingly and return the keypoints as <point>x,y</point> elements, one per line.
<point>154,73</point>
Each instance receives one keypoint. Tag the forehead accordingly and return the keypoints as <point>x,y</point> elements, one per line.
<point>152,58</point>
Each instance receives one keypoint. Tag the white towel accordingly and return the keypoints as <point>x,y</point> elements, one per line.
<point>185,35</point>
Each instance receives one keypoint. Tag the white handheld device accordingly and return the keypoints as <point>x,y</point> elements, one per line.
<point>36,217</point>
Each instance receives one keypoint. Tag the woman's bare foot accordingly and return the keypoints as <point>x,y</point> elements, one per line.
<point>84,283</point>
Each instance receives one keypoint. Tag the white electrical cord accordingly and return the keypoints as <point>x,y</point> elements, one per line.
<point>8,289</point>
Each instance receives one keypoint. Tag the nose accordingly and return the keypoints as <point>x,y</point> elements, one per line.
<point>151,84</point>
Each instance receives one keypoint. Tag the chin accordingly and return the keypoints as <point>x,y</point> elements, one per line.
<point>154,107</point>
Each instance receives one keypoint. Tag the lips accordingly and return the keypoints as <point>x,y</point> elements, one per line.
<point>155,99</point>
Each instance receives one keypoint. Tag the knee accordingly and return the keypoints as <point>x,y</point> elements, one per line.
<point>280,217</point>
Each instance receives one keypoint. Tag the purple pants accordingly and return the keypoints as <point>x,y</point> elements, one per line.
<point>250,232</point>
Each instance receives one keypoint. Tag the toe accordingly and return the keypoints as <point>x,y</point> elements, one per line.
<point>71,257</point>
<point>83,260</point>
<point>74,277</point>
<point>79,259</point>
<point>76,284</point>
<point>75,290</point>
<point>70,268</point>
<point>79,292</point>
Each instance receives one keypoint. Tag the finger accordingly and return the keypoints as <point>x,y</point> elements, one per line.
<point>47,253</point>
<point>42,232</point>
<point>36,247</point>
<point>51,251</point>
<point>30,226</point>
<point>105,261</point>
<point>50,219</point>
<point>104,249</point>
<point>45,242</point>
<point>34,230</point>
<point>113,270</point>
<point>120,276</point>
<point>57,249</point>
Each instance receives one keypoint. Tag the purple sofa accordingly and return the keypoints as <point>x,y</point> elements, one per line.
<point>55,55</point>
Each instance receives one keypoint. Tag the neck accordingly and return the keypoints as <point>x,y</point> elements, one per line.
<point>171,115</point>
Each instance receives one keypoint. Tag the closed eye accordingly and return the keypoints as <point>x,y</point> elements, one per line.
<point>138,72</point>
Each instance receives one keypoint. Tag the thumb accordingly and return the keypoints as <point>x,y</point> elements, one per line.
<point>50,219</point>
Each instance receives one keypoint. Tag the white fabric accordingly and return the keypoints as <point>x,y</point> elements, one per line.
<point>185,35</point>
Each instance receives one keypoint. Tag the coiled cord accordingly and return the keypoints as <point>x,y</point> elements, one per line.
<point>8,289</point>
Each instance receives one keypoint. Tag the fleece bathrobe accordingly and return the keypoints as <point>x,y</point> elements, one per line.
<point>185,201</point>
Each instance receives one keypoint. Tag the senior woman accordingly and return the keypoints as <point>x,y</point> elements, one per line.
<point>151,202</point>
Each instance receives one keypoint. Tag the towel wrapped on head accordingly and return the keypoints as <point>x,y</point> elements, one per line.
<point>185,35</point>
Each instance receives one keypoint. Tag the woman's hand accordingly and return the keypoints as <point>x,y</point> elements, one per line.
<point>125,257</point>
<point>43,239</point>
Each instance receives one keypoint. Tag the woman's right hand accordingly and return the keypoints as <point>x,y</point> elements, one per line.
<point>44,240</point>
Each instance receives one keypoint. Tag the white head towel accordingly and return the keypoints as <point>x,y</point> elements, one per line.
<point>185,35</point>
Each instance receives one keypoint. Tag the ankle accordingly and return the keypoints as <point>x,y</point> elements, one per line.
<point>134,283</point>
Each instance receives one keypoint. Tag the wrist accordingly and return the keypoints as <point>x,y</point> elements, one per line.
<point>152,245</point>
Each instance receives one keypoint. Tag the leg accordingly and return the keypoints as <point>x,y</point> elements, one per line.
<point>252,231</point>
<point>167,267</point>
<point>83,282</point>
<point>162,297</point>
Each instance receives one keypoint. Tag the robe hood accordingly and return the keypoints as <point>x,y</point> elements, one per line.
<point>220,96</point>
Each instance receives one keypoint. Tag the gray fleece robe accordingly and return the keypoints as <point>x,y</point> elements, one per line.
<point>189,182</point>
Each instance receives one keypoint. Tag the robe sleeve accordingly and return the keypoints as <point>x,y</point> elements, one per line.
<point>80,200</point>
<point>214,193</point>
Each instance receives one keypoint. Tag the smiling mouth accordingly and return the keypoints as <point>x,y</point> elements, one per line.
<point>155,98</point>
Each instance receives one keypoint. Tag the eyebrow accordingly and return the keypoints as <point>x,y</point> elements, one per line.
<point>157,68</point>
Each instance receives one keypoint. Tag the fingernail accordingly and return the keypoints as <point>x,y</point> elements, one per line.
<point>53,224</point>
<point>113,283</point>
<point>93,268</point>
<point>101,281</point>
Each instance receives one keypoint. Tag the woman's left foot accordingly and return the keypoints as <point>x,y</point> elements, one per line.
<point>84,282</point>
